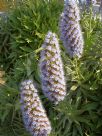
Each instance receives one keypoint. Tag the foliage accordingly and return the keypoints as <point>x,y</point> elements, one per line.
<point>21,36</point>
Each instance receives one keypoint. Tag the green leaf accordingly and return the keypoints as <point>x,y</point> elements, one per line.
<point>90,106</point>
<point>26,49</point>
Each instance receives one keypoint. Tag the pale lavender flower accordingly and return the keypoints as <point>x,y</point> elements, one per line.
<point>52,74</point>
<point>71,34</point>
<point>33,113</point>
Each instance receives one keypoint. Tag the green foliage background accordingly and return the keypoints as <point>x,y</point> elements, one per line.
<point>21,34</point>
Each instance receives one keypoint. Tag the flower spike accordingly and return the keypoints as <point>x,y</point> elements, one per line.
<point>71,34</point>
<point>34,116</point>
<point>52,74</point>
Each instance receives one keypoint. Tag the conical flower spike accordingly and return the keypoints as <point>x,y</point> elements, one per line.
<point>34,116</point>
<point>52,74</point>
<point>71,34</point>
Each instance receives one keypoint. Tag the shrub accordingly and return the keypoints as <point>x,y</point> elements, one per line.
<point>21,36</point>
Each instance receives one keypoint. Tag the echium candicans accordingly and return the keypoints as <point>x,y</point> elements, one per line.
<point>51,67</point>
<point>33,113</point>
<point>71,33</point>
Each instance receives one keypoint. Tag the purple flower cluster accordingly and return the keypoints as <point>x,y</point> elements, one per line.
<point>52,74</point>
<point>90,2</point>
<point>34,116</point>
<point>71,34</point>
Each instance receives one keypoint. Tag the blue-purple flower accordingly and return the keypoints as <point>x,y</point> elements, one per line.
<point>71,33</point>
<point>34,115</point>
<point>52,74</point>
<point>90,2</point>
